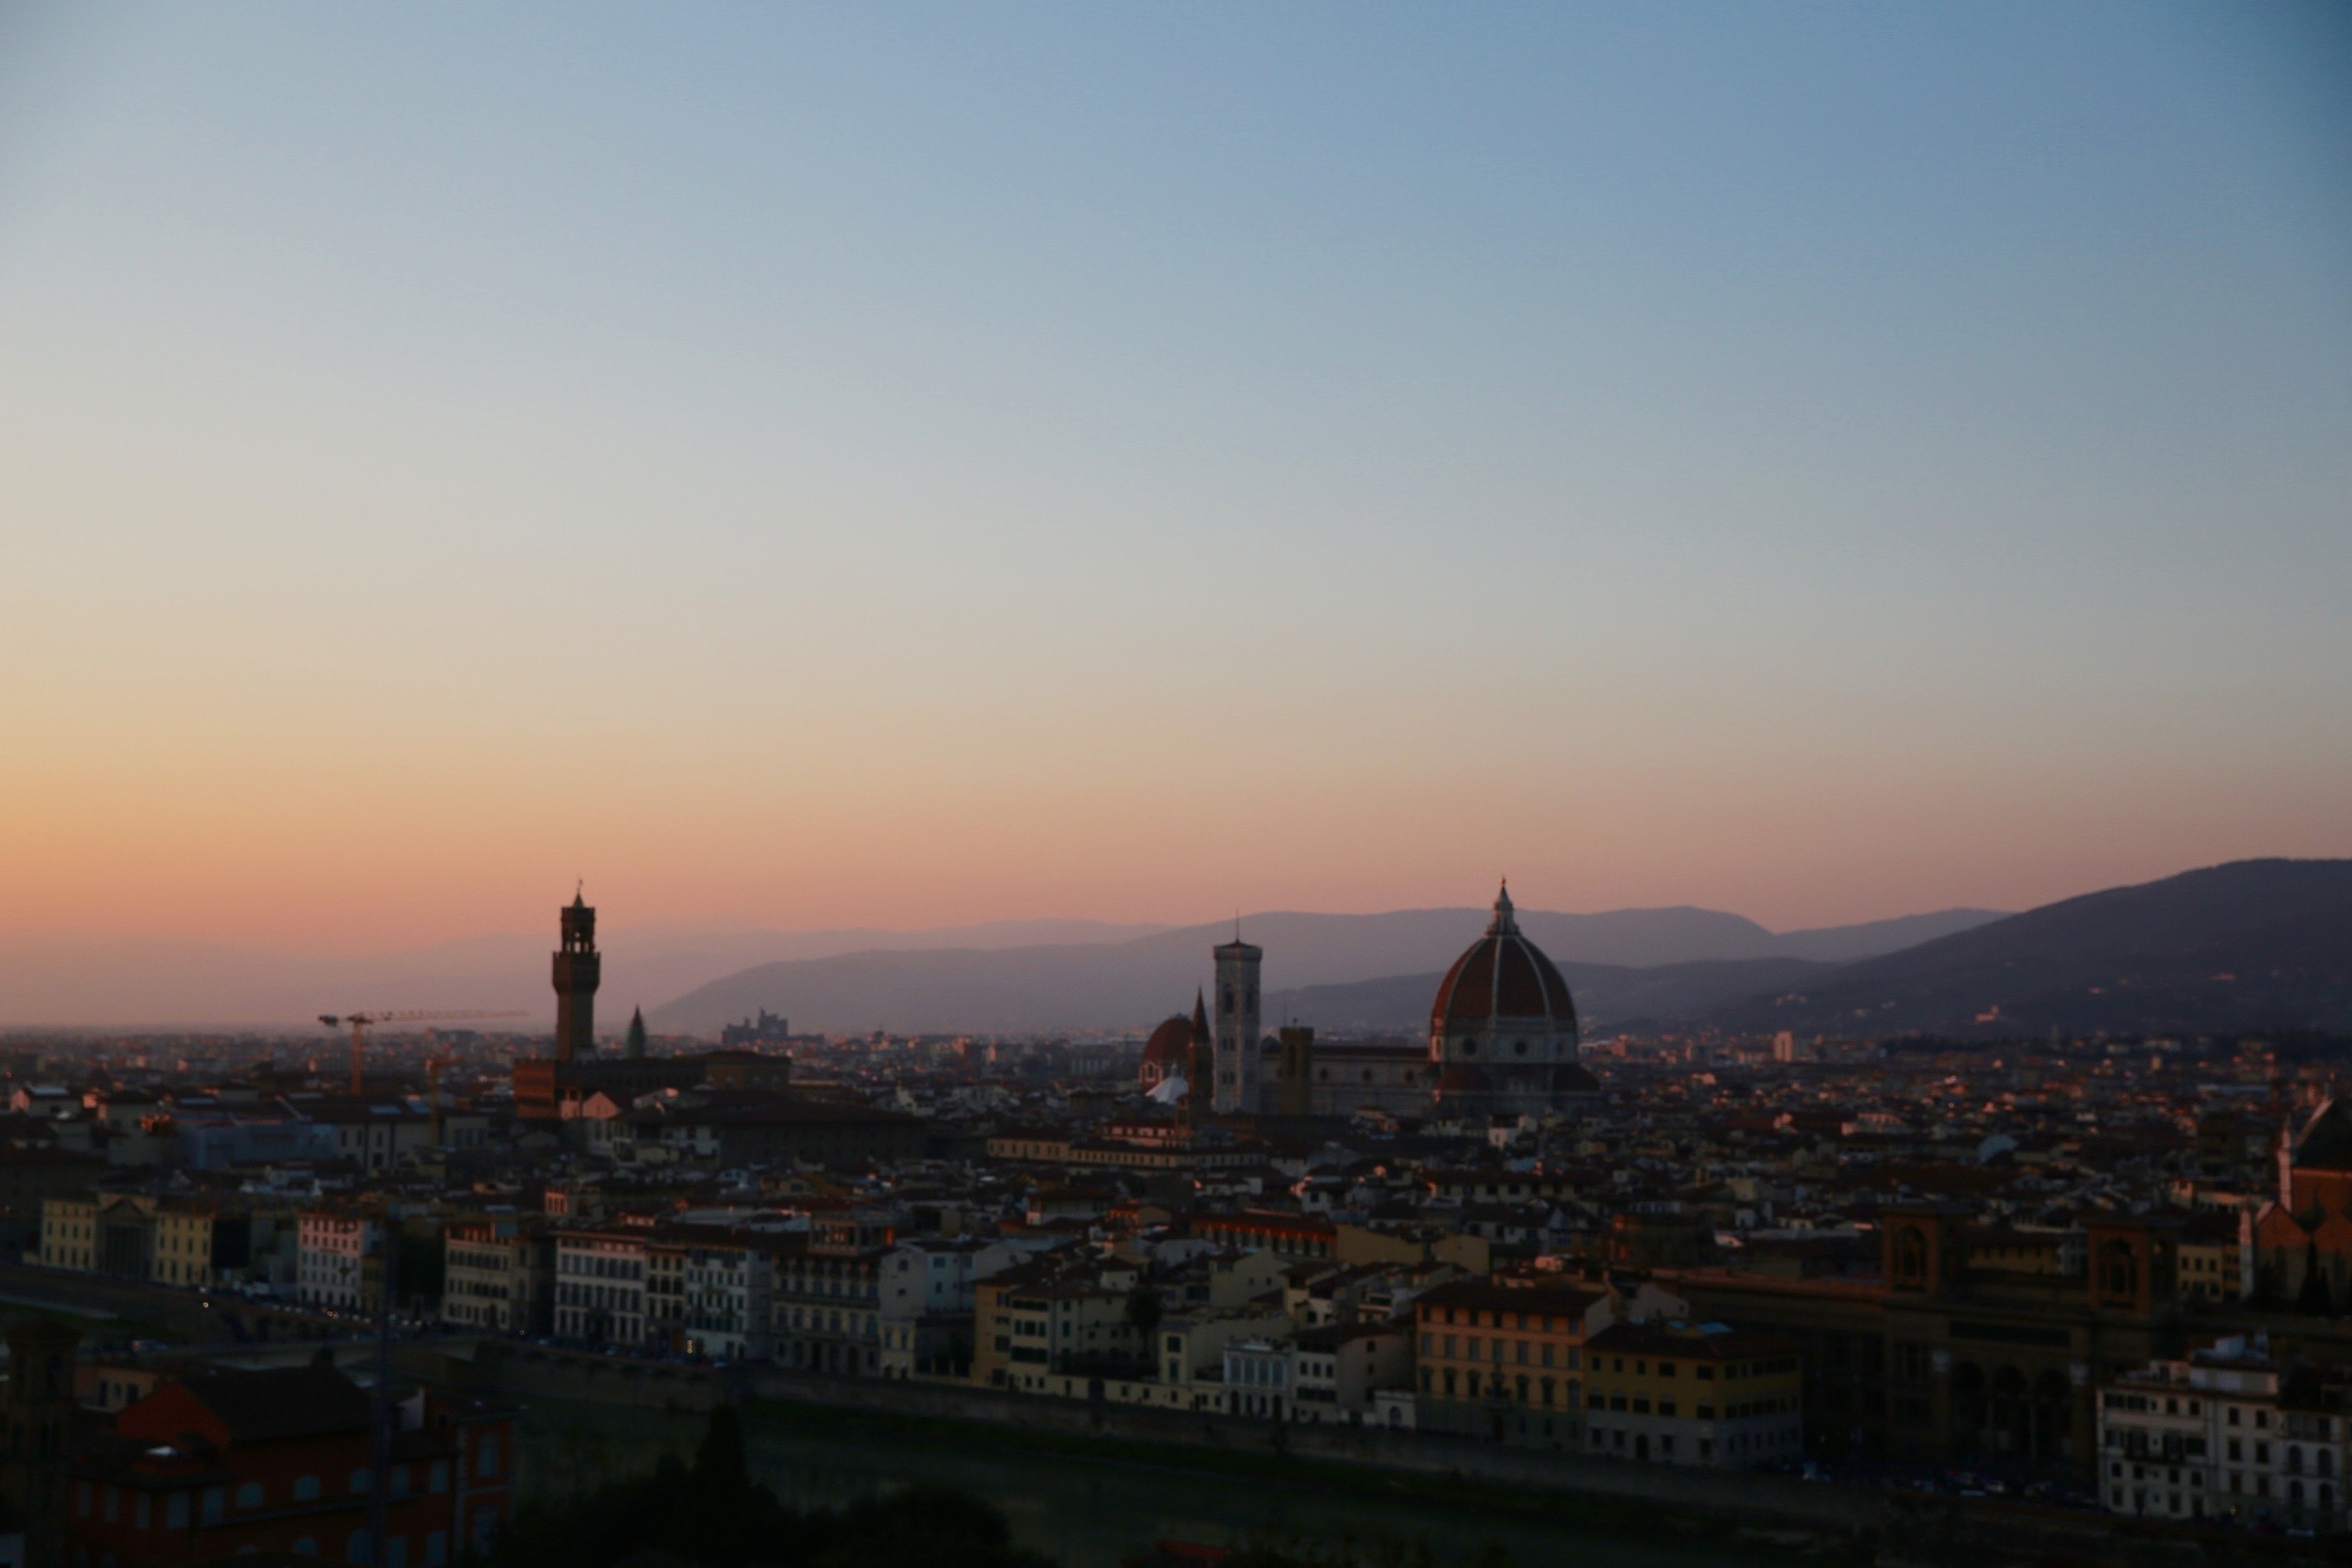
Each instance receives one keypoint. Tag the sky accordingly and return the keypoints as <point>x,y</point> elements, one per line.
<point>909,464</point>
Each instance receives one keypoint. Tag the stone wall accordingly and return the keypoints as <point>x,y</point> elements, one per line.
<point>528,1372</point>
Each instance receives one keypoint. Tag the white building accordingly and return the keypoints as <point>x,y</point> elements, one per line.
<point>2228,1434</point>
<point>600,1287</point>
<point>729,1287</point>
<point>495,1276</point>
<point>927,1302</point>
<point>332,1247</point>
<point>1259,1380</point>
<point>1337,1369</point>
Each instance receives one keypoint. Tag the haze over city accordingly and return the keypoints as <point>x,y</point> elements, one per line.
<point>914,466</point>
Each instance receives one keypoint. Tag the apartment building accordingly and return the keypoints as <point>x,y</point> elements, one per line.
<point>928,1303</point>
<point>728,1287</point>
<point>1700,1395</point>
<point>1505,1361</point>
<point>665,1293</point>
<point>1029,1323</point>
<point>499,1273</point>
<point>200,1244</point>
<point>826,1311</point>
<point>2229,1434</point>
<point>1338,1368</point>
<point>332,1250</point>
<point>600,1287</point>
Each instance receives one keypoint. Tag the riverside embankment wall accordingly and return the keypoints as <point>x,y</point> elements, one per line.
<point>1894,1530</point>
<point>1772,1500</point>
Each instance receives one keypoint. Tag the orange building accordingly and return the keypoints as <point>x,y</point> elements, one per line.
<point>1505,1361</point>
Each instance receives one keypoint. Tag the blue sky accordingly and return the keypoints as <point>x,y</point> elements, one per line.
<point>907,465</point>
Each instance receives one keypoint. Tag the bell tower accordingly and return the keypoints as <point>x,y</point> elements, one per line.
<point>578,968</point>
<point>1237,1040</point>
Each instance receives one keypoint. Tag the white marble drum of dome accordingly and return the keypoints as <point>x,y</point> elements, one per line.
<point>1502,1029</point>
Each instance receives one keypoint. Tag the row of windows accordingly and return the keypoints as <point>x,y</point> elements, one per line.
<point>1552,1393</point>
<point>213,1501</point>
<point>1471,1347</point>
<point>1469,1048</point>
<point>354,1550</point>
<point>1470,1317</point>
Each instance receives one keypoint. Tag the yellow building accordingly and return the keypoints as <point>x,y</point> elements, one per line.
<point>1680,1394</point>
<point>69,1234</point>
<point>1505,1361</point>
<point>189,1239</point>
<point>2208,1258</point>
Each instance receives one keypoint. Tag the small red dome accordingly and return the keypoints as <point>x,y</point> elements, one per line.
<point>1170,1044</point>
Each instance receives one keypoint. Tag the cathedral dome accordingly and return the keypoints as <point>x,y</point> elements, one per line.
<point>1168,1053</point>
<point>1171,1045</point>
<point>1503,979</point>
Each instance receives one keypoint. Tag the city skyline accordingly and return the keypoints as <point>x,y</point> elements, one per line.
<point>925,467</point>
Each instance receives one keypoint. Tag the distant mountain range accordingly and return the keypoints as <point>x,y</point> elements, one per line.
<point>157,982</point>
<point>1608,997</point>
<point>1126,985</point>
<point>2254,945</point>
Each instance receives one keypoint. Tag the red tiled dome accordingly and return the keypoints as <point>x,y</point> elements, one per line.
<point>1503,976</point>
<point>1170,1044</point>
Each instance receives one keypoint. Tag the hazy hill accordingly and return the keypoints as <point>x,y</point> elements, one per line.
<point>2254,945</point>
<point>160,981</point>
<point>1129,984</point>
<point>1061,977</point>
<point>1608,996</point>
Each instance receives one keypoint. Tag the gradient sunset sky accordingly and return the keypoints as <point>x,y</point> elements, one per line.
<point>911,465</point>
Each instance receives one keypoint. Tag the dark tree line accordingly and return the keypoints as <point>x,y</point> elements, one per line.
<point>712,1515</point>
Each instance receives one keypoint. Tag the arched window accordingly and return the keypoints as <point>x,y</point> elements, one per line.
<point>305,1489</point>
<point>306,1547</point>
<point>2295,1459</point>
<point>249,1494</point>
<point>2119,1271</point>
<point>1911,1255</point>
<point>361,1480</point>
<point>357,1548</point>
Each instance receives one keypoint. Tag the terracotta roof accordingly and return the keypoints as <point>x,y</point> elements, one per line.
<point>261,1407</point>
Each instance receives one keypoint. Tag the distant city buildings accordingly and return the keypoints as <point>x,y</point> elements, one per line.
<point>2104,1274</point>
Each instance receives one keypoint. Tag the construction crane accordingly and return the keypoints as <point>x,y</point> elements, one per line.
<point>360,1022</point>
